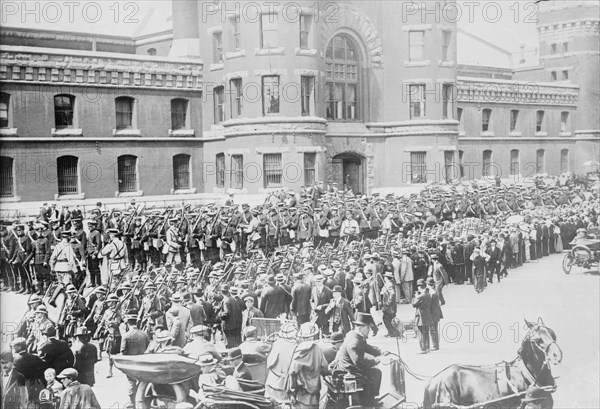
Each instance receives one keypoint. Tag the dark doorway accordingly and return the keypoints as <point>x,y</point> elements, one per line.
<point>348,169</point>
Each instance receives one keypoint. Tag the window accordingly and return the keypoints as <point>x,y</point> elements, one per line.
<point>416,45</point>
<point>416,95</point>
<point>565,75</point>
<point>540,161</point>
<point>448,166</point>
<point>237,171</point>
<point>486,117</point>
<point>539,121</point>
<point>446,38</point>
<point>235,32</point>
<point>178,113</point>
<point>459,113</point>
<point>4,105</point>
<point>268,31</point>
<point>306,88</point>
<point>486,169</point>
<point>6,177</point>
<point>514,116</point>
<point>305,21</point>
<point>461,166</point>
<point>418,167</point>
<point>565,47</point>
<point>219,105</point>
<point>553,76</point>
<point>564,120</point>
<point>564,160</point>
<point>553,48</point>
<point>514,162</point>
<point>447,99</point>
<point>217,47</point>
<point>220,164</point>
<point>273,171</point>
<point>63,111</point>
<point>342,82</point>
<point>151,51</point>
<point>310,162</point>
<point>270,89</point>
<point>236,97</point>
<point>181,171</point>
<point>124,109</point>
<point>127,171</point>
<point>67,175</point>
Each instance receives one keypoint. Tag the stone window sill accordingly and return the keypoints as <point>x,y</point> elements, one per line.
<point>137,193</point>
<point>309,52</point>
<point>216,67</point>
<point>515,133</point>
<point>9,132</point>
<point>67,132</point>
<point>127,132</point>
<point>423,63</point>
<point>542,134</point>
<point>462,133</point>
<point>76,196</point>
<point>189,191</point>
<point>566,134</point>
<point>487,134</point>
<point>269,51</point>
<point>235,54</point>
<point>236,191</point>
<point>182,132</point>
<point>446,63</point>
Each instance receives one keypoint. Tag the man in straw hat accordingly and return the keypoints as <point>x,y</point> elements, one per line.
<point>351,358</point>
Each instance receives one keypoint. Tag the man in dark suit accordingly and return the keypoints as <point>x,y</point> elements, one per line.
<point>30,366</point>
<point>300,305</point>
<point>135,342</point>
<point>340,312</point>
<point>250,312</point>
<point>436,314</point>
<point>197,313</point>
<point>423,320</point>
<point>86,356</point>
<point>55,352</point>
<point>272,302</point>
<point>14,392</point>
<point>231,316</point>
<point>494,263</point>
<point>320,298</point>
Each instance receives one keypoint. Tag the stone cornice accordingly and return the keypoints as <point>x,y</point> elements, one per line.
<point>573,27</point>
<point>74,67</point>
<point>274,125</point>
<point>65,36</point>
<point>486,91</point>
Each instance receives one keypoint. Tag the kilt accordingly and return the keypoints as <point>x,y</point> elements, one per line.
<point>112,344</point>
<point>211,254</point>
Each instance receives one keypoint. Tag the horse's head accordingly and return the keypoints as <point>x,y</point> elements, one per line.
<point>544,339</point>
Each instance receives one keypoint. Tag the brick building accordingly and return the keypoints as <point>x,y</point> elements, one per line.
<point>250,97</point>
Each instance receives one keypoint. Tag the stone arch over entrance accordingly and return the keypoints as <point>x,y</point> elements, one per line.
<point>349,170</point>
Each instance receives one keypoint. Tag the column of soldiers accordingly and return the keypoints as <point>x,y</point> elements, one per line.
<point>184,274</point>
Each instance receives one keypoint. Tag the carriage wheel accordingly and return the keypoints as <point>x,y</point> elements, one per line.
<point>142,401</point>
<point>567,263</point>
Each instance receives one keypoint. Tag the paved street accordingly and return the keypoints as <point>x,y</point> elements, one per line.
<point>570,305</point>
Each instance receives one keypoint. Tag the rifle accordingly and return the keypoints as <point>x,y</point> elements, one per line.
<point>9,264</point>
<point>23,250</point>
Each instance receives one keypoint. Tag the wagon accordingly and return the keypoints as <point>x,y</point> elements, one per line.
<point>585,252</point>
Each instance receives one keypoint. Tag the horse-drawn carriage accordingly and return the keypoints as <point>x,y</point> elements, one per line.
<point>585,252</point>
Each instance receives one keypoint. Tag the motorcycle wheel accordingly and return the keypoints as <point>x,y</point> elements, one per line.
<point>567,263</point>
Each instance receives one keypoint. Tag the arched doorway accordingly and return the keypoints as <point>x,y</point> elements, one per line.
<point>349,172</point>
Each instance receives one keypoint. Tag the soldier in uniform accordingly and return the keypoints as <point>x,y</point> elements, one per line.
<point>63,263</point>
<point>135,342</point>
<point>93,242</point>
<point>115,252</point>
<point>39,258</point>
<point>20,251</point>
<point>73,313</point>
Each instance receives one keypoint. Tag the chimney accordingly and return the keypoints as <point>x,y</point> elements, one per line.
<point>186,41</point>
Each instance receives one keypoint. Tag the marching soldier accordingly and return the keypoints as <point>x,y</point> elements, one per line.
<point>94,243</point>
<point>20,252</point>
<point>115,252</point>
<point>39,258</point>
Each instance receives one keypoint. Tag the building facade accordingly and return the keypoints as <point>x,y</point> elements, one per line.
<point>251,97</point>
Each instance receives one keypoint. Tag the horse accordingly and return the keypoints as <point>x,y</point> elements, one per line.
<point>503,384</point>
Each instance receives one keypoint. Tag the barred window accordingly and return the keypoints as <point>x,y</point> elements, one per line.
<point>539,124</point>
<point>514,116</point>
<point>127,171</point>
<point>310,168</point>
<point>237,171</point>
<point>416,45</point>
<point>273,171</point>
<point>220,164</point>
<point>6,177</point>
<point>486,118</point>
<point>124,111</point>
<point>487,163</point>
<point>564,160</point>
<point>540,163</point>
<point>179,108</point>
<point>181,171</point>
<point>268,31</point>
<point>418,167</point>
<point>236,97</point>
<point>219,104</point>
<point>4,105</point>
<point>416,94</point>
<point>63,111</point>
<point>68,175</point>
<point>270,91</point>
<point>553,76</point>
<point>514,162</point>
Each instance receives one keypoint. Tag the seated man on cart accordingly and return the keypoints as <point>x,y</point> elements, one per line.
<point>351,358</point>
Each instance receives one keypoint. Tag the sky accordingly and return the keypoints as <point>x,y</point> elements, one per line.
<point>506,23</point>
